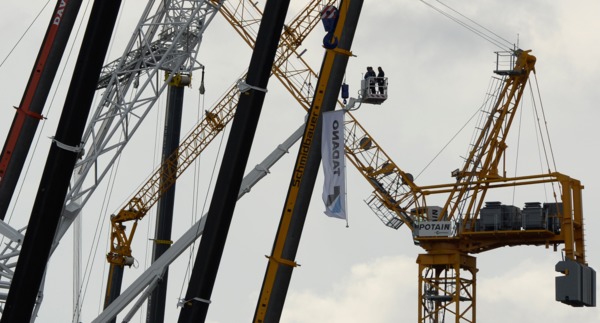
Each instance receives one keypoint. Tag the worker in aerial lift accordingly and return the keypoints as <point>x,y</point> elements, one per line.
<point>370,77</point>
<point>380,80</point>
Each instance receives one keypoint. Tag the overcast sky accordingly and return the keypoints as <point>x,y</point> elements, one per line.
<point>438,76</point>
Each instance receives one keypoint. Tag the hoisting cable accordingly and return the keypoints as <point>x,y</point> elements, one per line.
<point>87,274</point>
<point>204,205</point>
<point>477,24</point>
<point>195,212</point>
<point>97,237</point>
<point>200,112</point>
<point>24,33</point>
<point>482,34</point>
<point>538,138</point>
<point>539,127</point>
<point>514,188</point>
<point>477,112</point>
<point>447,143</point>
<point>545,125</point>
<point>156,155</point>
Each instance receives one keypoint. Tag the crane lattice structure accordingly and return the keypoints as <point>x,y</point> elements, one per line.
<point>294,73</point>
<point>216,119</point>
<point>167,39</point>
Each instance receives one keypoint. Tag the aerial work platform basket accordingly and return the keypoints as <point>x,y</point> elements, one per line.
<point>374,90</point>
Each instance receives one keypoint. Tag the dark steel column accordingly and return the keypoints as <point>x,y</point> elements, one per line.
<point>164,216</point>
<point>28,115</point>
<point>113,287</point>
<point>53,187</point>
<point>234,162</point>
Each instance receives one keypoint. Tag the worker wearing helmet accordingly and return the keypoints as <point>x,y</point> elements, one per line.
<point>380,80</point>
<point>370,77</point>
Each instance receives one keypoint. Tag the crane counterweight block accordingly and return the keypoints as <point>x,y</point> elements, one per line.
<point>577,286</point>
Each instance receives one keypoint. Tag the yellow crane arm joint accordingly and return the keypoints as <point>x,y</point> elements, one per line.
<point>342,51</point>
<point>158,241</point>
<point>283,261</point>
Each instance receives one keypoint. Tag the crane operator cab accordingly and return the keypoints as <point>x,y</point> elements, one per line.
<point>374,87</point>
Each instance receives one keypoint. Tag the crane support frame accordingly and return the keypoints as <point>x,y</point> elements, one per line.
<point>472,240</point>
<point>447,281</point>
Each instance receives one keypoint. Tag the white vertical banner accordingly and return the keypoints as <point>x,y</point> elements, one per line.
<point>334,164</point>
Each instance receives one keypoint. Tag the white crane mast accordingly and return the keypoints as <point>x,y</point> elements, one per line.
<point>166,40</point>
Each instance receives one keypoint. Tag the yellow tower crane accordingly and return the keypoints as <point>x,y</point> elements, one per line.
<point>464,225</point>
